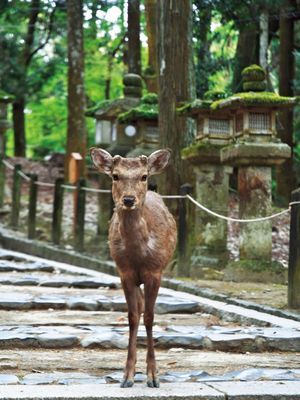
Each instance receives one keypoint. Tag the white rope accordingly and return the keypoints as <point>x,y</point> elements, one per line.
<point>8,165</point>
<point>93,190</point>
<point>173,196</point>
<point>46,184</point>
<point>235,219</point>
<point>24,176</point>
<point>70,187</point>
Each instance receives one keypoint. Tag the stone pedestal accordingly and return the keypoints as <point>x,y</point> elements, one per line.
<point>212,190</point>
<point>254,187</point>
<point>254,162</point>
<point>212,184</point>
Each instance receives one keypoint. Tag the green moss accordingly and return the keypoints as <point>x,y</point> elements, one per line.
<point>143,111</point>
<point>257,265</point>
<point>214,95</point>
<point>150,98</point>
<point>195,148</point>
<point>255,86</point>
<point>149,72</point>
<point>253,73</point>
<point>194,106</point>
<point>253,99</point>
<point>103,105</point>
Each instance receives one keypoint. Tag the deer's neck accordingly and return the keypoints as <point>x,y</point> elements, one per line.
<point>133,227</point>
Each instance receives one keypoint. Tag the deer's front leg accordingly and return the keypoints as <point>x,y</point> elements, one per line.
<point>151,290</point>
<point>135,304</point>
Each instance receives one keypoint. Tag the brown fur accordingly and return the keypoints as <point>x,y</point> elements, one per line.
<point>142,239</point>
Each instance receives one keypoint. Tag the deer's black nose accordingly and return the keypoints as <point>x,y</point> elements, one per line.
<point>128,201</point>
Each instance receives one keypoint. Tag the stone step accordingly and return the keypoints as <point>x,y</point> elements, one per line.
<point>216,338</point>
<point>190,391</point>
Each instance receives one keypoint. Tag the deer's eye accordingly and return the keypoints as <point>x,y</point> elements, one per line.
<point>144,178</point>
<point>115,177</point>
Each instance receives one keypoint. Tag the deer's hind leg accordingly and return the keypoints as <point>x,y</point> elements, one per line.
<point>151,290</point>
<point>135,303</point>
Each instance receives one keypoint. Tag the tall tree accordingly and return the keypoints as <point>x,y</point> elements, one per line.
<point>174,17</point>
<point>285,175</point>
<point>151,73</point>
<point>18,54</point>
<point>202,23</point>
<point>76,131</point>
<point>134,43</point>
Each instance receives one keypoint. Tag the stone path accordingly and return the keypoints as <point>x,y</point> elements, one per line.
<point>64,325</point>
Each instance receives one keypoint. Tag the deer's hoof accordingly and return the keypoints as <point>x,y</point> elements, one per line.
<point>126,383</point>
<point>153,383</point>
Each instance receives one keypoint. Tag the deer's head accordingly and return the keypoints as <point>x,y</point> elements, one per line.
<point>129,175</point>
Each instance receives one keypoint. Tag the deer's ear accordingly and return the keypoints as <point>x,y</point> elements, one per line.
<point>102,160</point>
<point>158,160</point>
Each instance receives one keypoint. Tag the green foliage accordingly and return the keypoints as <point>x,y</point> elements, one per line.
<point>150,98</point>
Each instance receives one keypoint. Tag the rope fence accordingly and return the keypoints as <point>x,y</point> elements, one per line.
<point>186,196</point>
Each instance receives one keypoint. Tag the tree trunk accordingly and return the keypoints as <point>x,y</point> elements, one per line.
<point>134,43</point>
<point>19,128</point>
<point>202,29</point>
<point>151,77</point>
<point>174,81</point>
<point>246,53</point>
<point>76,133</point>
<point>285,175</point>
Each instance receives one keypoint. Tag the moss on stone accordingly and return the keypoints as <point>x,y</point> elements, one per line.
<point>253,73</point>
<point>195,148</point>
<point>146,111</point>
<point>103,105</point>
<point>254,99</point>
<point>150,98</point>
<point>214,95</point>
<point>194,106</point>
<point>149,72</point>
<point>255,86</point>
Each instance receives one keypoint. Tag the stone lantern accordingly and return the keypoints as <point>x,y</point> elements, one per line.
<point>5,99</point>
<point>214,131</point>
<point>144,120</point>
<point>110,133</point>
<point>255,151</point>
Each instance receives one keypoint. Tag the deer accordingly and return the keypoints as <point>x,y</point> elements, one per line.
<point>142,239</point>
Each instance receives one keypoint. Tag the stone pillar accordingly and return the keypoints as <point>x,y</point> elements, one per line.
<point>254,187</point>
<point>254,162</point>
<point>212,190</point>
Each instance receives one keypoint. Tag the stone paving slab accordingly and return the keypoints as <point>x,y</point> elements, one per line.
<point>191,391</point>
<point>280,390</point>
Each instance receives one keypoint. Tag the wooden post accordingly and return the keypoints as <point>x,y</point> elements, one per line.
<point>57,210</point>
<point>33,190</point>
<point>74,175</point>
<point>16,196</point>
<point>183,232</point>
<point>79,216</point>
<point>2,182</point>
<point>294,254</point>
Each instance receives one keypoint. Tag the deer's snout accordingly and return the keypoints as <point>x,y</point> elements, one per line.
<point>128,201</point>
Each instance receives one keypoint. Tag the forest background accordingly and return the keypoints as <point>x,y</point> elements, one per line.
<point>224,37</point>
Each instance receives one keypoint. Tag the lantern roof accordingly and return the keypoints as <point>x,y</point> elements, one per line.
<point>110,109</point>
<point>253,99</point>
<point>146,110</point>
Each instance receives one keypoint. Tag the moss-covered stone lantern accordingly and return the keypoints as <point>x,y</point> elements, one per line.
<point>144,120</point>
<point>254,152</point>
<point>5,99</point>
<point>214,131</point>
<point>110,133</point>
